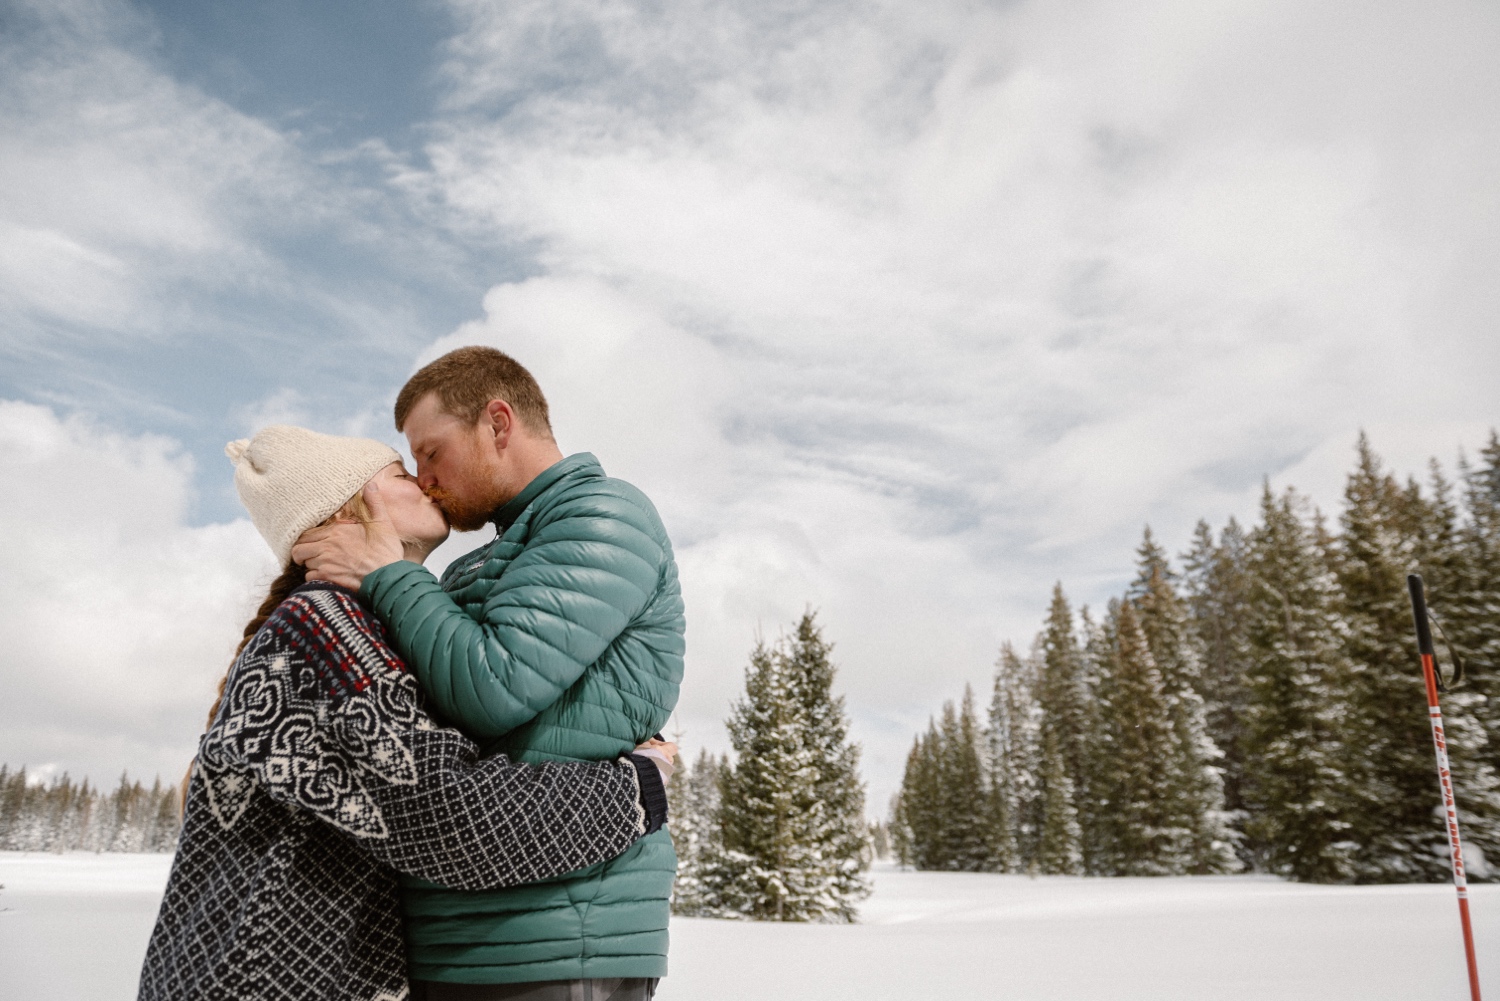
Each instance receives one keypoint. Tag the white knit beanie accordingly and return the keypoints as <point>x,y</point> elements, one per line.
<point>290,478</point>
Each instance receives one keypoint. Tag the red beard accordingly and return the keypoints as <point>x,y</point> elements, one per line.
<point>465,514</point>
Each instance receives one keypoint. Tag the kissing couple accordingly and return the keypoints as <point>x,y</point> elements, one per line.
<point>442,789</point>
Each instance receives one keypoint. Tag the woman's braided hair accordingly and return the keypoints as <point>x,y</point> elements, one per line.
<point>293,576</point>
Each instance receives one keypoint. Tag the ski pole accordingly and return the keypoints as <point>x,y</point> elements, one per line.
<point>1445,779</point>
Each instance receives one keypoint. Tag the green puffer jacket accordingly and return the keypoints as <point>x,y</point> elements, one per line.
<point>561,640</point>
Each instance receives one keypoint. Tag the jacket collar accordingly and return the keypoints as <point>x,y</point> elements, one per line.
<point>580,462</point>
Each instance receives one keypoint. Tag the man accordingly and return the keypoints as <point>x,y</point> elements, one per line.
<point>561,640</point>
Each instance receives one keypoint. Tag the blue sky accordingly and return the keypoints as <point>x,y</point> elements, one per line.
<point>902,312</point>
<point>337,268</point>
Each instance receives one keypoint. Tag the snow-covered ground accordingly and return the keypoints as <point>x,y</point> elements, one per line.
<point>73,928</point>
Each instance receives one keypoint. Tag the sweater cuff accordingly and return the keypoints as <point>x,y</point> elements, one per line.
<point>653,792</point>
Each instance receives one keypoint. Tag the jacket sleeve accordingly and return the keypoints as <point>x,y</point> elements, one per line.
<point>590,567</point>
<point>351,747</point>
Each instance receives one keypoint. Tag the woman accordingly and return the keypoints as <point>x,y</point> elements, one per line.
<point>321,776</point>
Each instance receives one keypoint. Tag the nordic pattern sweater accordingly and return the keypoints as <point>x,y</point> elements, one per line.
<point>320,779</point>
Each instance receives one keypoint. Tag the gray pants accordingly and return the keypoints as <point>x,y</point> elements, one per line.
<point>637,989</point>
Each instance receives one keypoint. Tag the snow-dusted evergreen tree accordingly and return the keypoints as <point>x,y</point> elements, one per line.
<point>962,781</point>
<point>916,811</point>
<point>12,796</point>
<point>693,818</point>
<point>1295,783</point>
<point>1216,588</point>
<point>842,838</point>
<point>1396,831</point>
<point>1096,653</point>
<point>1142,829</point>
<point>760,863</point>
<point>1059,849</point>
<point>1196,792</point>
<point>1472,600</point>
<point>1446,565</point>
<point>1066,721</point>
<point>64,816</point>
<point>1015,800</point>
<point>940,809</point>
<point>793,839</point>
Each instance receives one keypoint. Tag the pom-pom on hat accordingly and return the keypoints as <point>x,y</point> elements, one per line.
<point>290,478</point>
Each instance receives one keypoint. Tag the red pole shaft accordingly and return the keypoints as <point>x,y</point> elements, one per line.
<point>1455,844</point>
<point>1445,778</point>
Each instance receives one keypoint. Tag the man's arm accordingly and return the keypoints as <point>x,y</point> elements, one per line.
<point>592,564</point>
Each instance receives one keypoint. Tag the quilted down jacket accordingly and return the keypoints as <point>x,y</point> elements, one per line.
<point>561,640</point>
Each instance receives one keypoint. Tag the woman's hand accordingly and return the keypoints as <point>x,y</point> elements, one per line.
<point>663,752</point>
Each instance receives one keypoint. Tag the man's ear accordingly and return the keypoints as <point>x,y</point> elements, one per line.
<point>502,422</point>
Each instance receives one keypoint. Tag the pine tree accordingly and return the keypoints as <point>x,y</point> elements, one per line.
<point>961,787</point>
<point>1447,568</point>
<point>1063,697</point>
<point>1060,843</point>
<point>1141,830</point>
<point>1196,789</point>
<point>1216,589</point>
<point>12,796</point>
<point>693,812</point>
<point>916,811</point>
<point>791,808</point>
<point>1472,602</point>
<point>1095,655</point>
<point>167,819</point>
<point>1014,802</point>
<point>940,810</point>
<point>761,798</point>
<point>1396,832</point>
<point>1295,781</point>
<point>842,838</point>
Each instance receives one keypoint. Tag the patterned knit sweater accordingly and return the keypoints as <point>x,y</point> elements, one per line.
<point>319,780</point>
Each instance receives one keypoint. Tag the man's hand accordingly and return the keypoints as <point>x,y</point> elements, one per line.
<point>345,552</point>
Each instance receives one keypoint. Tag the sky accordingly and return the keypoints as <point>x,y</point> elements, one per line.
<point>899,312</point>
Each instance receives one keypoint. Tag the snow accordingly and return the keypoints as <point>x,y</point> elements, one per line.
<point>74,927</point>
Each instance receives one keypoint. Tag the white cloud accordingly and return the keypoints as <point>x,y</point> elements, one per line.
<point>902,311</point>
<point>116,182</point>
<point>907,311</point>
<point>119,618</point>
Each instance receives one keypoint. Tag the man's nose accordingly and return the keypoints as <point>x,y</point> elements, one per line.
<point>425,479</point>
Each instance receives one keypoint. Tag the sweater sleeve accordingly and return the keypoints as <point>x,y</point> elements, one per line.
<point>591,565</point>
<point>327,726</point>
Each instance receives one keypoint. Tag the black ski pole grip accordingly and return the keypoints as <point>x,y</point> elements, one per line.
<point>1419,613</point>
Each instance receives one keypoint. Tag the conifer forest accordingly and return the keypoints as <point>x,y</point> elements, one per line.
<point>1256,704</point>
<point>65,816</point>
